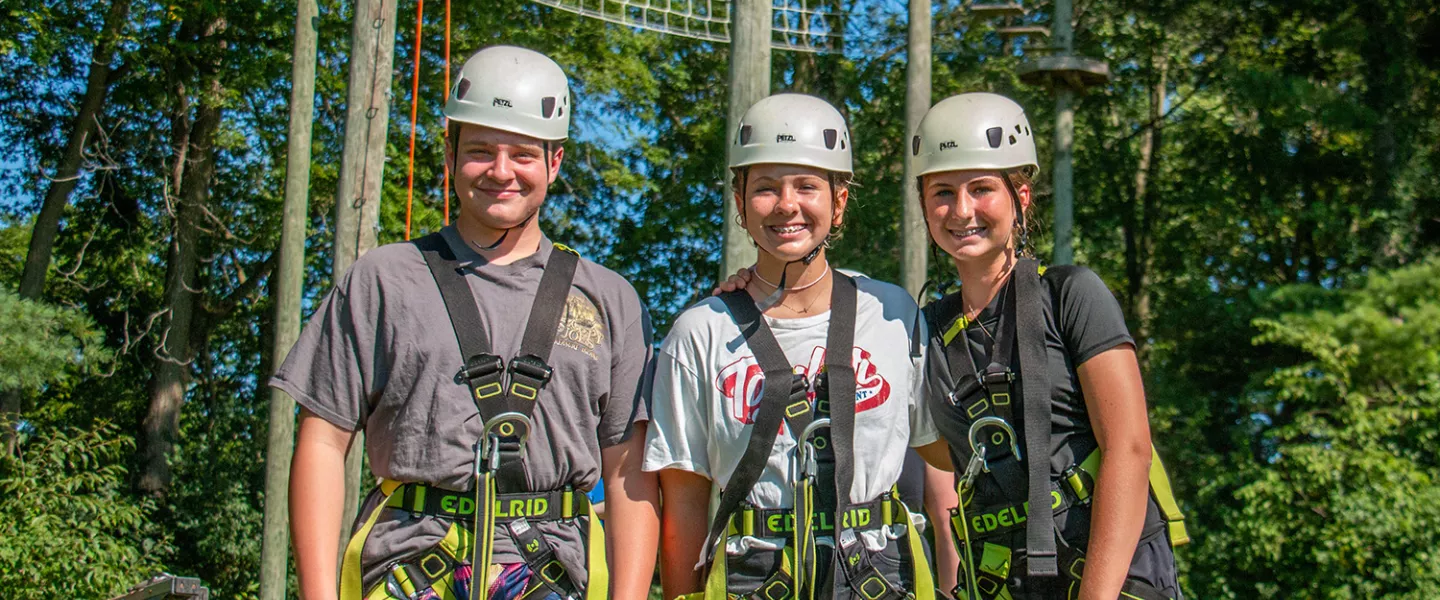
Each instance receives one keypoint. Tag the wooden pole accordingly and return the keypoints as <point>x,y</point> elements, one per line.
<point>1064,182</point>
<point>357,202</point>
<point>914,238</point>
<point>749,83</point>
<point>289,283</point>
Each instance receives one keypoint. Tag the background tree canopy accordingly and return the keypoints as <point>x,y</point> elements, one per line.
<point>1256,185</point>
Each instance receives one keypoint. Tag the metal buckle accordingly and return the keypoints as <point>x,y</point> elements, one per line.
<point>976,447</point>
<point>486,451</point>
<point>531,366</point>
<point>482,365</point>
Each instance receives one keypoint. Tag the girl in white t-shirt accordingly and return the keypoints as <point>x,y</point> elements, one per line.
<point>792,166</point>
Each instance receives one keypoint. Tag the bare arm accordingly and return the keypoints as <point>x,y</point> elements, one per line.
<point>939,499</point>
<point>317,491</point>
<point>937,454</point>
<point>1115,397</point>
<point>686,513</point>
<point>632,501</point>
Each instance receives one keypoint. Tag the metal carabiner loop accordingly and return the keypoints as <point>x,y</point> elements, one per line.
<point>485,450</point>
<point>805,451</point>
<point>998,422</point>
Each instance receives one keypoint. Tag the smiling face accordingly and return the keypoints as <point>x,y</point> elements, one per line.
<point>790,209</point>
<point>971,214</point>
<point>501,177</point>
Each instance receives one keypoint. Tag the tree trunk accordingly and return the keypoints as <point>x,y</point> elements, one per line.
<point>67,175</point>
<point>914,240</point>
<point>357,201</point>
<point>288,285</point>
<point>1141,219</point>
<point>171,373</point>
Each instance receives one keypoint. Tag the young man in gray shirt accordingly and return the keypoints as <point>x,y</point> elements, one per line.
<point>381,355</point>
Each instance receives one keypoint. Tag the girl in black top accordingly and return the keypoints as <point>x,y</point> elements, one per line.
<point>975,156</point>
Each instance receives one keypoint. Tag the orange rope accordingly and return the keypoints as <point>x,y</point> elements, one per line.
<point>414,108</point>
<point>445,123</point>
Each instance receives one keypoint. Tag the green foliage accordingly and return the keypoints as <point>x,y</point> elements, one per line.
<point>1341,497</point>
<point>70,525</point>
<point>42,344</point>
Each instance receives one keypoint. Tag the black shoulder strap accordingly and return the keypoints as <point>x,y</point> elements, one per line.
<point>776,403</point>
<point>840,379</point>
<point>1035,383</point>
<point>483,371</point>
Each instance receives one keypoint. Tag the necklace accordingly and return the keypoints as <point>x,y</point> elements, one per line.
<point>756,273</point>
<point>778,290</point>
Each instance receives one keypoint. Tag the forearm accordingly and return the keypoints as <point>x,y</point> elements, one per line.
<point>683,527</point>
<point>632,504</point>
<point>317,487</point>
<point>1117,519</point>
<point>939,499</point>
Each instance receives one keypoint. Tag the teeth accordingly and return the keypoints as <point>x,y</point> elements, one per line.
<point>789,228</point>
<point>970,231</point>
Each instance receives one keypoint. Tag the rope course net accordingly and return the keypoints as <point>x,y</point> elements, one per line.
<point>798,25</point>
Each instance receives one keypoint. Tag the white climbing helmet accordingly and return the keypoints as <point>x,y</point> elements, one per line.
<point>974,131</point>
<point>793,129</point>
<point>512,89</point>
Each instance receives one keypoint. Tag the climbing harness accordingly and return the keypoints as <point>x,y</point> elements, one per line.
<point>822,471</point>
<point>1032,501</point>
<point>498,504</point>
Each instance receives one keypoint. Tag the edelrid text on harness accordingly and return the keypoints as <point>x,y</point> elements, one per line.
<point>822,471</point>
<point>986,399</point>
<point>505,396</point>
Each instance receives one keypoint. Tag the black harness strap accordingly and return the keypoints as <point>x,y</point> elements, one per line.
<point>990,394</point>
<point>792,405</point>
<point>1040,532</point>
<point>979,396</point>
<point>777,403</point>
<point>484,372</point>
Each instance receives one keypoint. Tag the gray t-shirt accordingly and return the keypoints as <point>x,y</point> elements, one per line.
<point>380,355</point>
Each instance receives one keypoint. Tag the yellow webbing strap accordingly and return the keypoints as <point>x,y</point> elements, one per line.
<point>483,536</point>
<point>924,581</point>
<point>598,586</point>
<point>995,561</point>
<point>1159,488</point>
<point>1165,497</point>
<point>955,328</point>
<point>715,581</point>
<point>803,537</point>
<point>350,574</point>
<point>961,535</point>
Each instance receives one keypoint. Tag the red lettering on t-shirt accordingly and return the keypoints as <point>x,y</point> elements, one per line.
<point>741,383</point>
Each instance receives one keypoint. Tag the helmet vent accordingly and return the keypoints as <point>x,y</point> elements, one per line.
<point>744,135</point>
<point>547,106</point>
<point>992,135</point>
<point>462,89</point>
<point>915,145</point>
<point>1017,128</point>
<point>1012,140</point>
<point>831,136</point>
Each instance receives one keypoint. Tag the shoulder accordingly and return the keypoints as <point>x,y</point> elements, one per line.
<point>612,288</point>
<point>697,328</point>
<point>1075,282</point>
<point>893,302</point>
<point>384,265</point>
<point>885,293</point>
<point>702,318</point>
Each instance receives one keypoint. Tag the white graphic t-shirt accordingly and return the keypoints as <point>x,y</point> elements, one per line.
<point>708,387</point>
